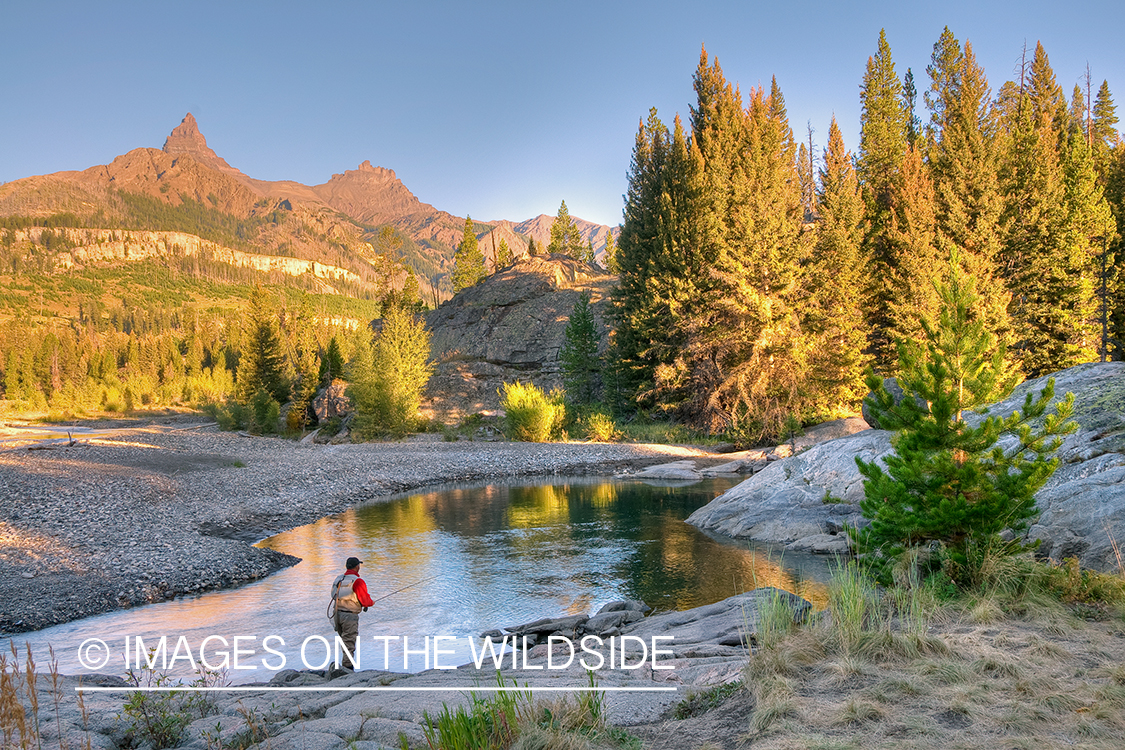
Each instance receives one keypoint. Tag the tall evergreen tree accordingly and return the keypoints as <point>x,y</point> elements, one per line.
<point>579,355</point>
<point>637,324</point>
<point>910,101</point>
<point>883,147</point>
<point>944,71</point>
<point>1052,295</point>
<point>390,376</point>
<point>504,256</point>
<point>754,337</point>
<point>965,165</point>
<point>1088,230</point>
<point>833,317</point>
<point>260,366</point>
<point>1104,137</point>
<point>611,263</point>
<point>468,261</point>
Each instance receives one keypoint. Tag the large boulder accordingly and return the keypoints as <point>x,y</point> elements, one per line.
<point>805,500</point>
<point>509,327</point>
<point>731,622</point>
<point>332,401</point>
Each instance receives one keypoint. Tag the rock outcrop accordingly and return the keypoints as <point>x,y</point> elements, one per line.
<point>509,327</point>
<point>804,502</point>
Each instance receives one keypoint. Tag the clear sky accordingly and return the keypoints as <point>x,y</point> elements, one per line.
<point>494,109</point>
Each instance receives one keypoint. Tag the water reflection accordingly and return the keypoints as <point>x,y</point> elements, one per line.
<point>497,555</point>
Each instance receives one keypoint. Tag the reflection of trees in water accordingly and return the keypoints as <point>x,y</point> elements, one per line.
<point>574,543</point>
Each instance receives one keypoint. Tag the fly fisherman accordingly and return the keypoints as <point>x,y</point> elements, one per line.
<point>349,597</point>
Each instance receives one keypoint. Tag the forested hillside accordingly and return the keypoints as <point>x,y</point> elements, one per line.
<point>761,274</point>
<point>135,283</point>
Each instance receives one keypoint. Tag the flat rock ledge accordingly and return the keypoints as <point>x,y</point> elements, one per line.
<point>708,646</point>
<point>753,461</point>
<point>805,501</point>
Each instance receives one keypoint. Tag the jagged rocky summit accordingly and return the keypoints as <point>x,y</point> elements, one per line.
<point>804,502</point>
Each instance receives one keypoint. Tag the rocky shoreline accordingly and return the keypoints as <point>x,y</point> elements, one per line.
<point>146,513</point>
<point>661,661</point>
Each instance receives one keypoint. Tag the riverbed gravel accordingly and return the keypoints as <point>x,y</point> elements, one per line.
<point>152,512</point>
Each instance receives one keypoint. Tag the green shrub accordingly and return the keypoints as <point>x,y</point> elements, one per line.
<point>266,412</point>
<point>530,414</point>
<point>601,428</point>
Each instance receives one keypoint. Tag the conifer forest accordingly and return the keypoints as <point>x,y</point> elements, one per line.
<point>761,275</point>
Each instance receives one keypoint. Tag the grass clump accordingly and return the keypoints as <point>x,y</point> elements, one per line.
<point>514,720</point>
<point>530,414</point>
<point>700,702</point>
<point>20,723</point>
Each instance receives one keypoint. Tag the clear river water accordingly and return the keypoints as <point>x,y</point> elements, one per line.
<point>487,556</point>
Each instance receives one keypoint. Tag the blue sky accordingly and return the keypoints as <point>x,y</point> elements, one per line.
<point>494,109</point>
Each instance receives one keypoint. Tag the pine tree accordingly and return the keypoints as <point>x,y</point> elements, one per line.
<point>332,363</point>
<point>579,355</point>
<point>635,325</point>
<point>307,366</point>
<point>1051,303</point>
<point>913,236</point>
<point>948,481</point>
<point>754,332</point>
<point>468,261</point>
<point>1088,220</point>
<point>566,239</point>
<point>808,182</point>
<point>504,257</point>
<point>611,264</point>
<point>965,165</point>
<point>389,378</point>
<point>945,72</point>
<point>883,148</point>
<point>910,101</point>
<point>260,366</point>
<point>833,317</point>
<point>1105,136</point>
<point>717,125</point>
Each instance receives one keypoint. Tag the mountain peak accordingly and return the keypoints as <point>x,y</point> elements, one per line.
<point>185,138</point>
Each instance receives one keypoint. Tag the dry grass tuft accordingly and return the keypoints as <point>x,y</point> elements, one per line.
<point>994,666</point>
<point>859,712</point>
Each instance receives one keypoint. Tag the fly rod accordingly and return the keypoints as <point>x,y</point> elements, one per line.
<point>404,588</point>
<point>331,611</point>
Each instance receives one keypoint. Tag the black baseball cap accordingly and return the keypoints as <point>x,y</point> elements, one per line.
<point>353,562</point>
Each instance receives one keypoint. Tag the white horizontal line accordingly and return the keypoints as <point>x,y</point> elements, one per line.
<point>379,689</point>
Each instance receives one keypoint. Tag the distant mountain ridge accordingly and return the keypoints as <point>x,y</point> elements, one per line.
<point>187,169</point>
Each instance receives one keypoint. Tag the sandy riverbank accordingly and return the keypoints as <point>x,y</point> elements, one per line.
<point>148,512</point>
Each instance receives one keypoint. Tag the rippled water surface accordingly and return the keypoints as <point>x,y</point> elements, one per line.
<point>487,557</point>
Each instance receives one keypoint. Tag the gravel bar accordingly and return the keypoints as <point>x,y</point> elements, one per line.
<point>149,513</point>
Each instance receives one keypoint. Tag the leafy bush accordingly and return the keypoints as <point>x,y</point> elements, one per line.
<point>532,415</point>
<point>601,428</point>
<point>158,718</point>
